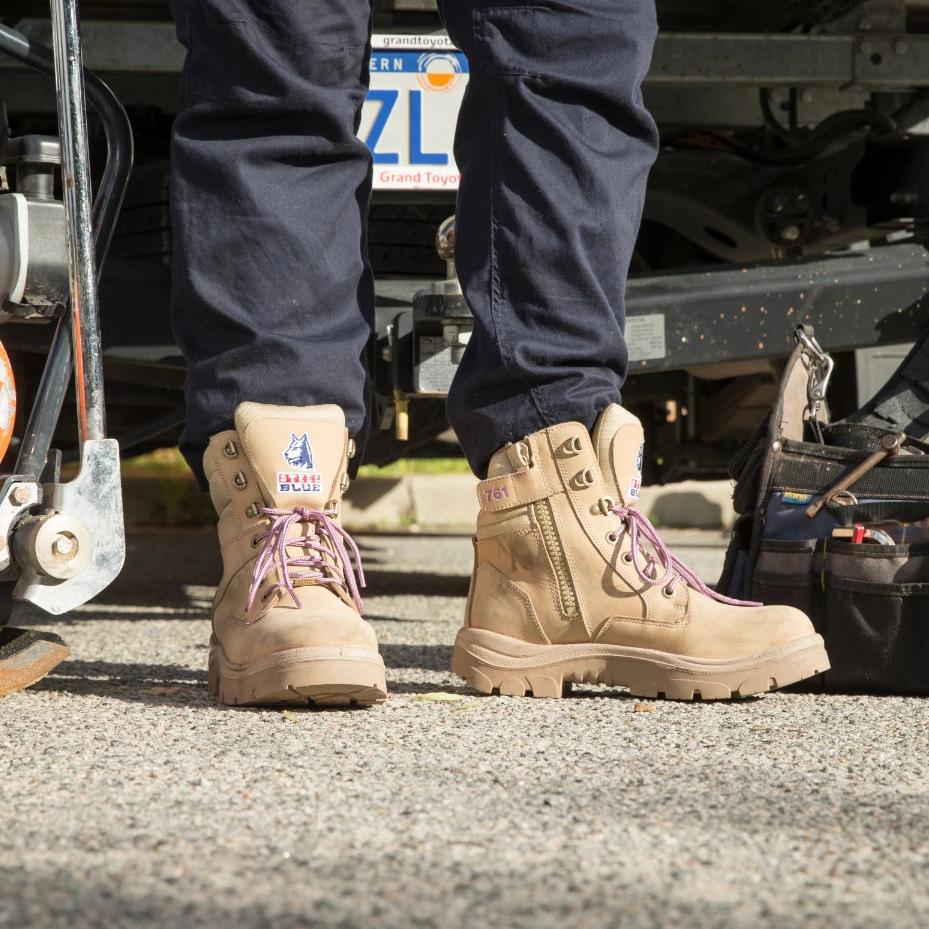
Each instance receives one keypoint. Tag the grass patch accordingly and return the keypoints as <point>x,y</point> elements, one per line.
<point>163,462</point>
<point>168,462</point>
<point>416,466</point>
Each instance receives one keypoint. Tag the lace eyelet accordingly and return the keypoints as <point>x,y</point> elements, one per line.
<point>627,557</point>
<point>603,506</point>
<point>667,592</point>
<point>611,537</point>
<point>256,541</point>
<point>230,450</point>
<point>240,480</point>
<point>266,596</point>
<point>583,479</point>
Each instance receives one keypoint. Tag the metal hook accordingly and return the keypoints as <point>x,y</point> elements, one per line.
<point>821,366</point>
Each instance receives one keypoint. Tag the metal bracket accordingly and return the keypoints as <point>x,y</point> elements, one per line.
<point>17,496</point>
<point>94,497</point>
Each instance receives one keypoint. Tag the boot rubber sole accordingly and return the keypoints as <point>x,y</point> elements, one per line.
<point>330,677</point>
<point>27,656</point>
<point>494,663</point>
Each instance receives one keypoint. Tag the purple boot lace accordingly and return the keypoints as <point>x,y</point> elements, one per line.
<point>338,563</point>
<point>640,528</point>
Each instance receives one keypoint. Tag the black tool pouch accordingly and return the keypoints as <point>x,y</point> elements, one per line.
<point>794,540</point>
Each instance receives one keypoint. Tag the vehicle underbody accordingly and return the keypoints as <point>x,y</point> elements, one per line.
<point>792,186</point>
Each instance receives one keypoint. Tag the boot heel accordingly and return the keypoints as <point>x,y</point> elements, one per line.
<point>508,682</point>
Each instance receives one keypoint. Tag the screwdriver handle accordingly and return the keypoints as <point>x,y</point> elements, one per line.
<point>890,445</point>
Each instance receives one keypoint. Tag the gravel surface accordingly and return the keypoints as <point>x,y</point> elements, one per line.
<point>129,799</point>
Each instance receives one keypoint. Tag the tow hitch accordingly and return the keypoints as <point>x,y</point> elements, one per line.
<point>60,543</point>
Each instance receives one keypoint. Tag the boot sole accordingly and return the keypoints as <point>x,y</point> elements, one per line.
<point>332,677</point>
<point>493,663</point>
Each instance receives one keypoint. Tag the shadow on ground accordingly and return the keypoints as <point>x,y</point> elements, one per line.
<point>155,685</point>
<point>174,685</point>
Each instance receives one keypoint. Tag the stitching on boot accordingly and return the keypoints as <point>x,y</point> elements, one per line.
<point>226,486</point>
<point>521,595</point>
<point>682,621</point>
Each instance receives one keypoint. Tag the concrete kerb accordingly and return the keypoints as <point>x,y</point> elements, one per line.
<point>449,502</point>
<point>428,502</point>
<point>690,505</point>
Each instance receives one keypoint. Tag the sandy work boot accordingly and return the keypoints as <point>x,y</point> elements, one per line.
<point>572,583</point>
<point>287,624</point>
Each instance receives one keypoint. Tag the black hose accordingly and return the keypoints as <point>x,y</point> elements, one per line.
<point>116,128</point>
<point>913,112</point>
<point>830,130</point>
<point>801,145</point>
<point>820,13</point>
<point>770,120</point>
<point>141,435</point>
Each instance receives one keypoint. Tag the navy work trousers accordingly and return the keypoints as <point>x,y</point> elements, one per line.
<point>273,295</point>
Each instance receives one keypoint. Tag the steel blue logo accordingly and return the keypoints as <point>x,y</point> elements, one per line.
<point>299,453</point>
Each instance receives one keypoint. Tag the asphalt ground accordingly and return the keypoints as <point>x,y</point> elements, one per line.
<point>129,799</point>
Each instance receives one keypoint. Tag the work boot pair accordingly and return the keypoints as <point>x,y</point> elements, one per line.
<point>571,581</point>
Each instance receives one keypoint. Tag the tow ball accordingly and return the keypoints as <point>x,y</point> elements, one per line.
<point>61,543</point>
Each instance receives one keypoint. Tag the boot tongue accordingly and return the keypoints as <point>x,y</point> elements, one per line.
<point>619,442</point>
<point>298,453</point>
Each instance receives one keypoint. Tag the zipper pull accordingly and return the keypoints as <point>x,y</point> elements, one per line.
<point>890,446</point>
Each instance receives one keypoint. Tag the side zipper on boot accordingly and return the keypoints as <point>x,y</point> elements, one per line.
<point>546,522</point>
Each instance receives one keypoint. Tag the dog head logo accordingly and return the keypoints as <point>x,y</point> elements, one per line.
<point>299,454</point>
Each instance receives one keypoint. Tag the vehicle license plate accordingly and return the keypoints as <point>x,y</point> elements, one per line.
<point>408,120</point>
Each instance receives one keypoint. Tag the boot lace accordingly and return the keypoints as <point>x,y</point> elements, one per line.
<point>328,552</point>
<point>642,531</point>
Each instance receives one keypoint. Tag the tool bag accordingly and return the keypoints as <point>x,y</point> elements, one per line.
<point>833,518</point>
